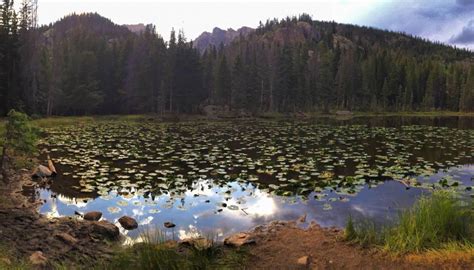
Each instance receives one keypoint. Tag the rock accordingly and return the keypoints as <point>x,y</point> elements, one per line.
<point>51,167</point>
<point>169,224</point>
<point>239,239</point>
<point>93,216</point>
<point>42,171</point>
<point>128,223</point>
<point>38,259</point>
<point>67,238</point>
<point>200,243</point>
<point>304,261</point>
<point>302,219</point>
<point>105,229</point>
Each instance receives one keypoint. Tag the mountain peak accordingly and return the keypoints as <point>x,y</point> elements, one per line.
<point>219,36</point>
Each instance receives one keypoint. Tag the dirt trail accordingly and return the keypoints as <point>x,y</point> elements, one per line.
<point>280,245</point>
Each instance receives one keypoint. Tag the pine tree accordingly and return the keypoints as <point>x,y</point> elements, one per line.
<point>466,102</point>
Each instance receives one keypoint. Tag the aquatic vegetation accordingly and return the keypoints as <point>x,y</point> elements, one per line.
<point>205,173</point>
<point>286,158</point>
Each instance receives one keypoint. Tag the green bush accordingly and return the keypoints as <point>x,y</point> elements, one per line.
<point>19,139</point>
<point>21,136</point>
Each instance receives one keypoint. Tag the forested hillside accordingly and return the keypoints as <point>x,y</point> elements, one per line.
<point>86,64</point>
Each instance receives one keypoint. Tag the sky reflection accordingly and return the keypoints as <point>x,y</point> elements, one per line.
<point>211,209</point>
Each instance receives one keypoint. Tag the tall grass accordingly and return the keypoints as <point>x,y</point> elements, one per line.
<point>439,221</point>
<point>156,253</point>
<point>9,262</point>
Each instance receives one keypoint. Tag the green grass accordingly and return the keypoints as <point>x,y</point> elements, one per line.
<point>156,253</point>
<point>9,262</point>
<point>414,113</point>
<point>439,221</point>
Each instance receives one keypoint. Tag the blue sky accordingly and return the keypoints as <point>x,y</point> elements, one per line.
<point>448,21</point>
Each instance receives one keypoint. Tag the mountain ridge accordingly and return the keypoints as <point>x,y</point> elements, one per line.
<point>219,36</point>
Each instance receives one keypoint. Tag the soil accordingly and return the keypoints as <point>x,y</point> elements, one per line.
<point>279,245</point>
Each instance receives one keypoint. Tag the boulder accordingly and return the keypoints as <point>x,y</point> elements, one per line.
<point>199,243</point>
<point>169,224</point>
<point>304,261</point>
<point>239,239</point>
<point>93,216</point>
<point>128,223</point>
<point>105,229</point>
<point>67,238</point>
<point>38,259</point>
<point>42,171</point>
<point>51,167</point>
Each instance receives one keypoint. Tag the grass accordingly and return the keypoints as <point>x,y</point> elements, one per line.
<point>437,222</point>
<point>9,262</point>
<point>156,253</point>
<point>75,120</point>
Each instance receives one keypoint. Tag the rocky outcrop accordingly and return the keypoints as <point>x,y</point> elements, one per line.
<point>219,36</point>
<point>128,223</point>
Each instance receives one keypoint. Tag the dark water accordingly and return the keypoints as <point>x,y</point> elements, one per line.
<point>222,177</point>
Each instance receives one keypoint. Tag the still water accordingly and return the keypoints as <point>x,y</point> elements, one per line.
<point>217,178</point>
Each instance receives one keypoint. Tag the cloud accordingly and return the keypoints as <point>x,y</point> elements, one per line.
<point>446,21</point>
<point>465,2</point>
<point>466,36</point>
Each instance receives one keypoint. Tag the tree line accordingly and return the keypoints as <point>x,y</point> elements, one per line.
<point>86,64</point>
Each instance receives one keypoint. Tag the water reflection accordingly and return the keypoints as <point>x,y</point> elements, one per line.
<point>224,177</point>
<point>212,210</point>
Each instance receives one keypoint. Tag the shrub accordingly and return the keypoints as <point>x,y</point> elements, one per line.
<point>20,137</point>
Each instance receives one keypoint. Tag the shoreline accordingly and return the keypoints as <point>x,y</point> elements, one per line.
<point>277,244</point>
<point>42,242</point>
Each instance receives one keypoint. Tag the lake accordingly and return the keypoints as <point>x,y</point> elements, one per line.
<point>221,177</point>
